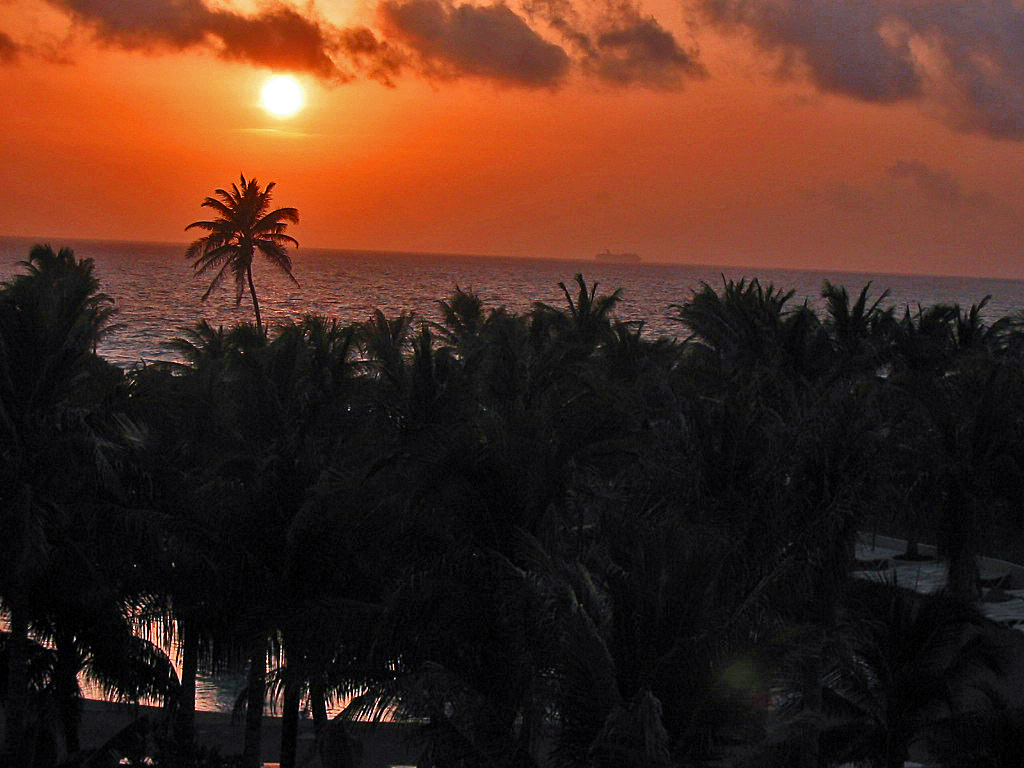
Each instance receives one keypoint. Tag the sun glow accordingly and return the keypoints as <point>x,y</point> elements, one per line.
<point>282,95</point>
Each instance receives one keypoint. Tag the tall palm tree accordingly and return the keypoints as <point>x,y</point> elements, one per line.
<point>244,225</point>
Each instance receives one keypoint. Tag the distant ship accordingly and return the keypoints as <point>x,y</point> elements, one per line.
<point>627,258</point>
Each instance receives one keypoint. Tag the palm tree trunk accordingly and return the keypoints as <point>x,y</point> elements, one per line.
<point>810,733</point>
<point>958,534</point>
<point>290,722</point>
<point>255,300</point>
<point>69,696</point>
<point>318,706</point>
<point>185,716</point>
<point>895,744</point>
<point>963,578</point>
<point>255,695</point>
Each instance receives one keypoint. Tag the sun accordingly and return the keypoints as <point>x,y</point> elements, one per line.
<point>282,95</point>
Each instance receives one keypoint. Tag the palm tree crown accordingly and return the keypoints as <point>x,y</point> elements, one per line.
<point>244,225</point>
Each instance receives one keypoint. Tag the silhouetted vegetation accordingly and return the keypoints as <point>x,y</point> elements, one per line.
<point>549,539</point>
<point>245,225</point>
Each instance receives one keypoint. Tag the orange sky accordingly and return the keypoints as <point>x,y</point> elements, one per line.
<point>801,133</point>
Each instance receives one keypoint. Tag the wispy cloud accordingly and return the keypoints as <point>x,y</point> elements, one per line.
<point>643,52</point>
<point>938,186</point>
<point>276,132</point>
<point>618,43</point>
<point>908,184</point>
<point>8,49</point>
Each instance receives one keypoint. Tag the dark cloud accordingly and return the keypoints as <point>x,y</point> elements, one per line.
<point>441,39</point>
<point>376,58</point>
<point>144,25</point>
<point>965,55</point>
<point>491,41</point>
<point>843,45</point>
<point>938,186</point>
<point>621,46</point>
<point>278,36</point>
<point>643,52</point>
<point>8,49</point>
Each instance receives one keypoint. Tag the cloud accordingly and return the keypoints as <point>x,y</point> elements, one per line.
<point>843,47</point>
<point>563,17</point>
<point>643,52</point>
<point>967,57</point>
<point>610,40</point>
<point>378,59</point>
<point>493,41</point>
<point>902,189</point>
<point>622,46</point>
<point>938,186</point>
<point>278,36</point>
<point>8,49</point>
<point>175,24</point>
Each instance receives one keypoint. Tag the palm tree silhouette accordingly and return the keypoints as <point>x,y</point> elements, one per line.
<point>899,664</point>
<point>61,442</point>
<point>244,225</point>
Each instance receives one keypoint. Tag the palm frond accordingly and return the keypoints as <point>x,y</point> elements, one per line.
<point>276,218</point>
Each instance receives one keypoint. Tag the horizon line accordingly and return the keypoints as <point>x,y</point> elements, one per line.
<point>721,268</point>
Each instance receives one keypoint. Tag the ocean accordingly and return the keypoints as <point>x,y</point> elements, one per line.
<point>157,296</point>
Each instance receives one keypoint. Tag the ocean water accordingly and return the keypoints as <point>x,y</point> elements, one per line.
<point>157,296</point>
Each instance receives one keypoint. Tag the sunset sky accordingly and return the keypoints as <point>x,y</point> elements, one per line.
<point>873,135</point>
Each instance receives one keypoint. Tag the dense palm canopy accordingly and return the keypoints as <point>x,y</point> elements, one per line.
<point>68,540</point>
<point>544,537</point>
<point>245,225</point>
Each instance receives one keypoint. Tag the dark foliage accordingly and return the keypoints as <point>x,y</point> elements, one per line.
<point>548,538</point>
